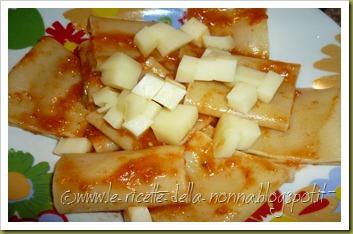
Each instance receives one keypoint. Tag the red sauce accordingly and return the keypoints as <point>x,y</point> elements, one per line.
<point>148,139</point>
<point>225,17</point>
<point>142,170</point>
<point>56,123</point>
<point>121,39</point>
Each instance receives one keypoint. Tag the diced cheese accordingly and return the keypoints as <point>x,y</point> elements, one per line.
<point>268,88</point>
<point>214,52</point>
<point>148,86</point>
<point>146,41</point>
<point>172,126</point>
<point>114,117</point>
<point>223,43</point>
<point>137,214</point>
<point>226,137</point>
<point>170,94</point>
<point>196,30</point>
<point>187,69</point>
<point>226,144</point>
<point>216,68</point>
<point>242,97</point>
<point>120,71</point>
<point>121,100</point>
<point>250,132</point>
<point>249,75</point>
<point>105,98</point>
<point>169,39</point>
<point>234,133</point>
<point>134,106</point>
<point>151,110</point>
<point>73,145</point>
<point>138,124</point>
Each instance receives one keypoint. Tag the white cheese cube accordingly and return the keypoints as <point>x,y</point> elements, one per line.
<point>223,43</point>
<point>104,96</point>
<point>138,125</point>
<point>151,110</point>
<point>134,106</point>
<point>74,145</point>
<point>214,52</point>
<point>170,94</point>
<point>120,71</point>
<point>121,100</point>
<point>114,117</point>
<point>172,126</point>
<point>169,39</point>
<point>250,132</point>
<point>196,30</point>
<point>148,86</point>
<point>226,144</point>
<point>268,88</point>
<point>227,136</point>
<point>137,214</point>
<point>187,69</point>
<point>249,75</point>
<point>146,41</point>
<point>216,68</point>
<point>242,97</point>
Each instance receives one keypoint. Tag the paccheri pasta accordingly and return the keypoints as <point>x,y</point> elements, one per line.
<point>171,124</point>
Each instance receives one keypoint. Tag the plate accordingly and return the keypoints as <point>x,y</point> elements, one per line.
<point>295,35</point>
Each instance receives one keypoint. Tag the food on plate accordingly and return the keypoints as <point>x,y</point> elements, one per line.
<point>137,214</point>
<point>195,110</point>
<point>73,145</point>
<point>210,97</point>
<point>241,176</point>
<point>314,135</point>
<point>121,173</point>
<point>58,110</point>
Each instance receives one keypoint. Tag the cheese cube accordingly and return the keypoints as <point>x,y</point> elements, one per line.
<point>223,43</point>
<point>172,126</point>
<point>121,100</point>
<point>250,132</point>
<point>216,68</point>
<point>268,88</point>
<point>226,144</point>
<point>105,98</point>
<point>227,136</point>
<point>249,75</point>
<point>120,71</point>
<point>169,39</point>
<point>214,52</point>
<point>170,94</point>
<point>196,30</point>
<point>234,133</point>
<point>73,145</point>
<point>114,117</point>
<point>148,86</point>
<point>151,110</point>
<point>146,41</point>
<point>242,97</point>
<point>137,214</point>
<point>138,125</point>
<point>187,69</point>
<point>134,106</point>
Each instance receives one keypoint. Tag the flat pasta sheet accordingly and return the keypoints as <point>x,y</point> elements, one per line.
<point>210,97</point>
<point>314,135</point>
<point>45,91</point>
